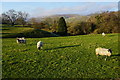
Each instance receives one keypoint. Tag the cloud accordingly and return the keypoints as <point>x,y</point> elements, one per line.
<point>85,9</point>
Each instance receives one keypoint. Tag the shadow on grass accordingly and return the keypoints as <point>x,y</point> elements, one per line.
<point>4,29</point>
<point>111,35</point>
<point>116,55</point>
<point>5,33</point>
<point>62,47</point>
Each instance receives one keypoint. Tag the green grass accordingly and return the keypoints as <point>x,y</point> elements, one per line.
<point>13,32</point>
<point>8,31</point>
<point>61,57</point>
<point>15,29</point>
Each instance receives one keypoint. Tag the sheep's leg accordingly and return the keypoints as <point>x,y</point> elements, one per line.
<point>105,58</point>
<point>97,54</point>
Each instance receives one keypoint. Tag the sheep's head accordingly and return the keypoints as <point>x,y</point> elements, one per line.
<point>109,52</point>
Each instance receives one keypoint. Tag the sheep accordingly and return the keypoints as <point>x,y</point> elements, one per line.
<point>103,34</point>
<point>39,45</point>
<point>103,51</point>
<point>21,40</point>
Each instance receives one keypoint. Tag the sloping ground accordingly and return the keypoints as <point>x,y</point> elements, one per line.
<point>13,32</point>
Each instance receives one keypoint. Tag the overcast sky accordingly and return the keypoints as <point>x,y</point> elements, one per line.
<point>36,9</point>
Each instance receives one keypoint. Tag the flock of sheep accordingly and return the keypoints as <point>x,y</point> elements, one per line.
<point>23,40</point>
<point>99,51</point>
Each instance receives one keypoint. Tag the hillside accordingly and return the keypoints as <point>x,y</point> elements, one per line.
<point>64,15</point>
<point>13,32</point>
<point>70,17</point>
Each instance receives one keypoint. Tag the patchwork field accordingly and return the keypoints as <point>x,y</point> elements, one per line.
<point>61,57</point>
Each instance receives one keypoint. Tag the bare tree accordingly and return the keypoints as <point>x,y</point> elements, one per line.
<point>22,17</point>
<point>10,16</point>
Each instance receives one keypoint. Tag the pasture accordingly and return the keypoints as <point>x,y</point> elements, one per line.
<point>61,57</point>
<point>13,32</point>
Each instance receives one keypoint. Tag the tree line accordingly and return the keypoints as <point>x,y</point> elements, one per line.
<point>107,22</point>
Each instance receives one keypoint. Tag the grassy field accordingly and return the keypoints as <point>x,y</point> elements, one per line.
<point>13,32</point>
<point>6,31</point>
<point>61,57</point>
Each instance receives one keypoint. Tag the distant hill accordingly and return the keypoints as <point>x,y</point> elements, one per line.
<point>65,15</point>
<point>69,17</point>
<point>13,32</point>
<point>78,18</point>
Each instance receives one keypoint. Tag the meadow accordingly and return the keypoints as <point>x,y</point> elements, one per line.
<point>61,57</point>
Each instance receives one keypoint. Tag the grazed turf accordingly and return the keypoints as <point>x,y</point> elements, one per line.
<point>61,57</point>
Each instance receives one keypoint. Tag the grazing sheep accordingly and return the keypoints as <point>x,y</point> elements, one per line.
<point>21,40</point>
<point>103,34</point>
<point>39,45</point>
<point>103,51</point>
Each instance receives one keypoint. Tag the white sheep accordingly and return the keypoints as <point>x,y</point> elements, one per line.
<point>103,51</point>
<point>21,40</point>
<point>103,34</point>
<point>39,45</point>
